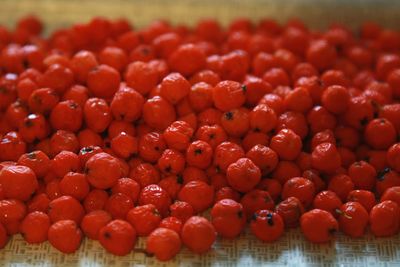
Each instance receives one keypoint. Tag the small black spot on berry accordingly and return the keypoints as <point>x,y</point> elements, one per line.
<point>270,219</point>
<point>107,235</point>
<point>168,168</point>
<point>229,115</point>
<point>381,174</point>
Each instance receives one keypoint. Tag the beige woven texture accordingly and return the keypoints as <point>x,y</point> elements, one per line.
<point>291,249</point>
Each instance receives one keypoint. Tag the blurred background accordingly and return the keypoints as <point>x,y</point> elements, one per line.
<point>315,13</point>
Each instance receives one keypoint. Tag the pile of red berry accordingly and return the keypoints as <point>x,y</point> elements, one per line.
<point>113,133</point>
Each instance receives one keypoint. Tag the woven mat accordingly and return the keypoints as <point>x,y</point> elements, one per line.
<point>292,249</point>
<point>315,13</point>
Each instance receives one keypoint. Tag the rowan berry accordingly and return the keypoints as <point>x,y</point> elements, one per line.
<point>65,236</point>
<point>66,115</point>
<point>144,219</point>
<point>117,237</point>
<point>325,158</point>
<point>37,161</point>
<point>75,185</point>
<point>18,182</point>
<point>264,157</point>
<point>364,197</point>
<point>103,81</point>
<point>40,202</point>
<point>255,200</point>
<point>53,190</point>
<point>187,59</point>
<point>127,104</point>
<point>359,112</point>
<point>63,141</point>
<point>385,64</point>
<point>151,146</point>
<point>285,170</point>
<point>384,219</point>
<point>386,178</point>
<point>178,135</point>
<point>380,133</point>
<point>353,219</point>
<point>34,227</point>
<point>172,184</point>
<point>82,63</point>
<point>198,234</point>
<point>229,95</point>
<point>25,88</point>
<point>211,134</point>
<point>301,188</point>
<point>128,187</point>
<point>393,157</point>
<point>181,210</point>
<point>227,153</point>
<point>118,205</point>
<point>298,100</point>
<point>228,218</point>
<point>243,175</point>
<point>393,79</point>
<point>12,213</point>
<point>65,162</point>
<point>209,116</point>
<point>145,174</point>
<point>97,114</point>
<point>103,170</point>
<point>65,208</point>
<point>226,192</point>
<point>267,226</point>
<point>154,194</point>
<point>199,154</point>
<point>141,76</point>
<point>236,122</point>
<point>95,200</point>
<point>33,128</point>
<point>124,145</point>
<point>321,54</point>
<point>88,137</point>
<point>290,210</point>
<point>171,162</point>
<point>363,175</point>
<point>93,221</point>
<point>234,65</point>
<point>87,152</point>
<point>57,77</point>
<point>318,226</point>
<point>200,96</point>
<point>172,223</point>
<point>163,243</point>
<point>166,43</point>
<point>114,57</point>
<point>158,113</point>
<point>286,144</point>
<point>198,194</point>
<point>294,121</point>
<point>15,113</point>
<point>174,88</point>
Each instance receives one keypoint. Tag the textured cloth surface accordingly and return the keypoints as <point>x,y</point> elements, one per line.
<point>291,250</point>
<point>315,13</point>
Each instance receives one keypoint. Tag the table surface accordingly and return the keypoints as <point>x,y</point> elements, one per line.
<point>291,249</point>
